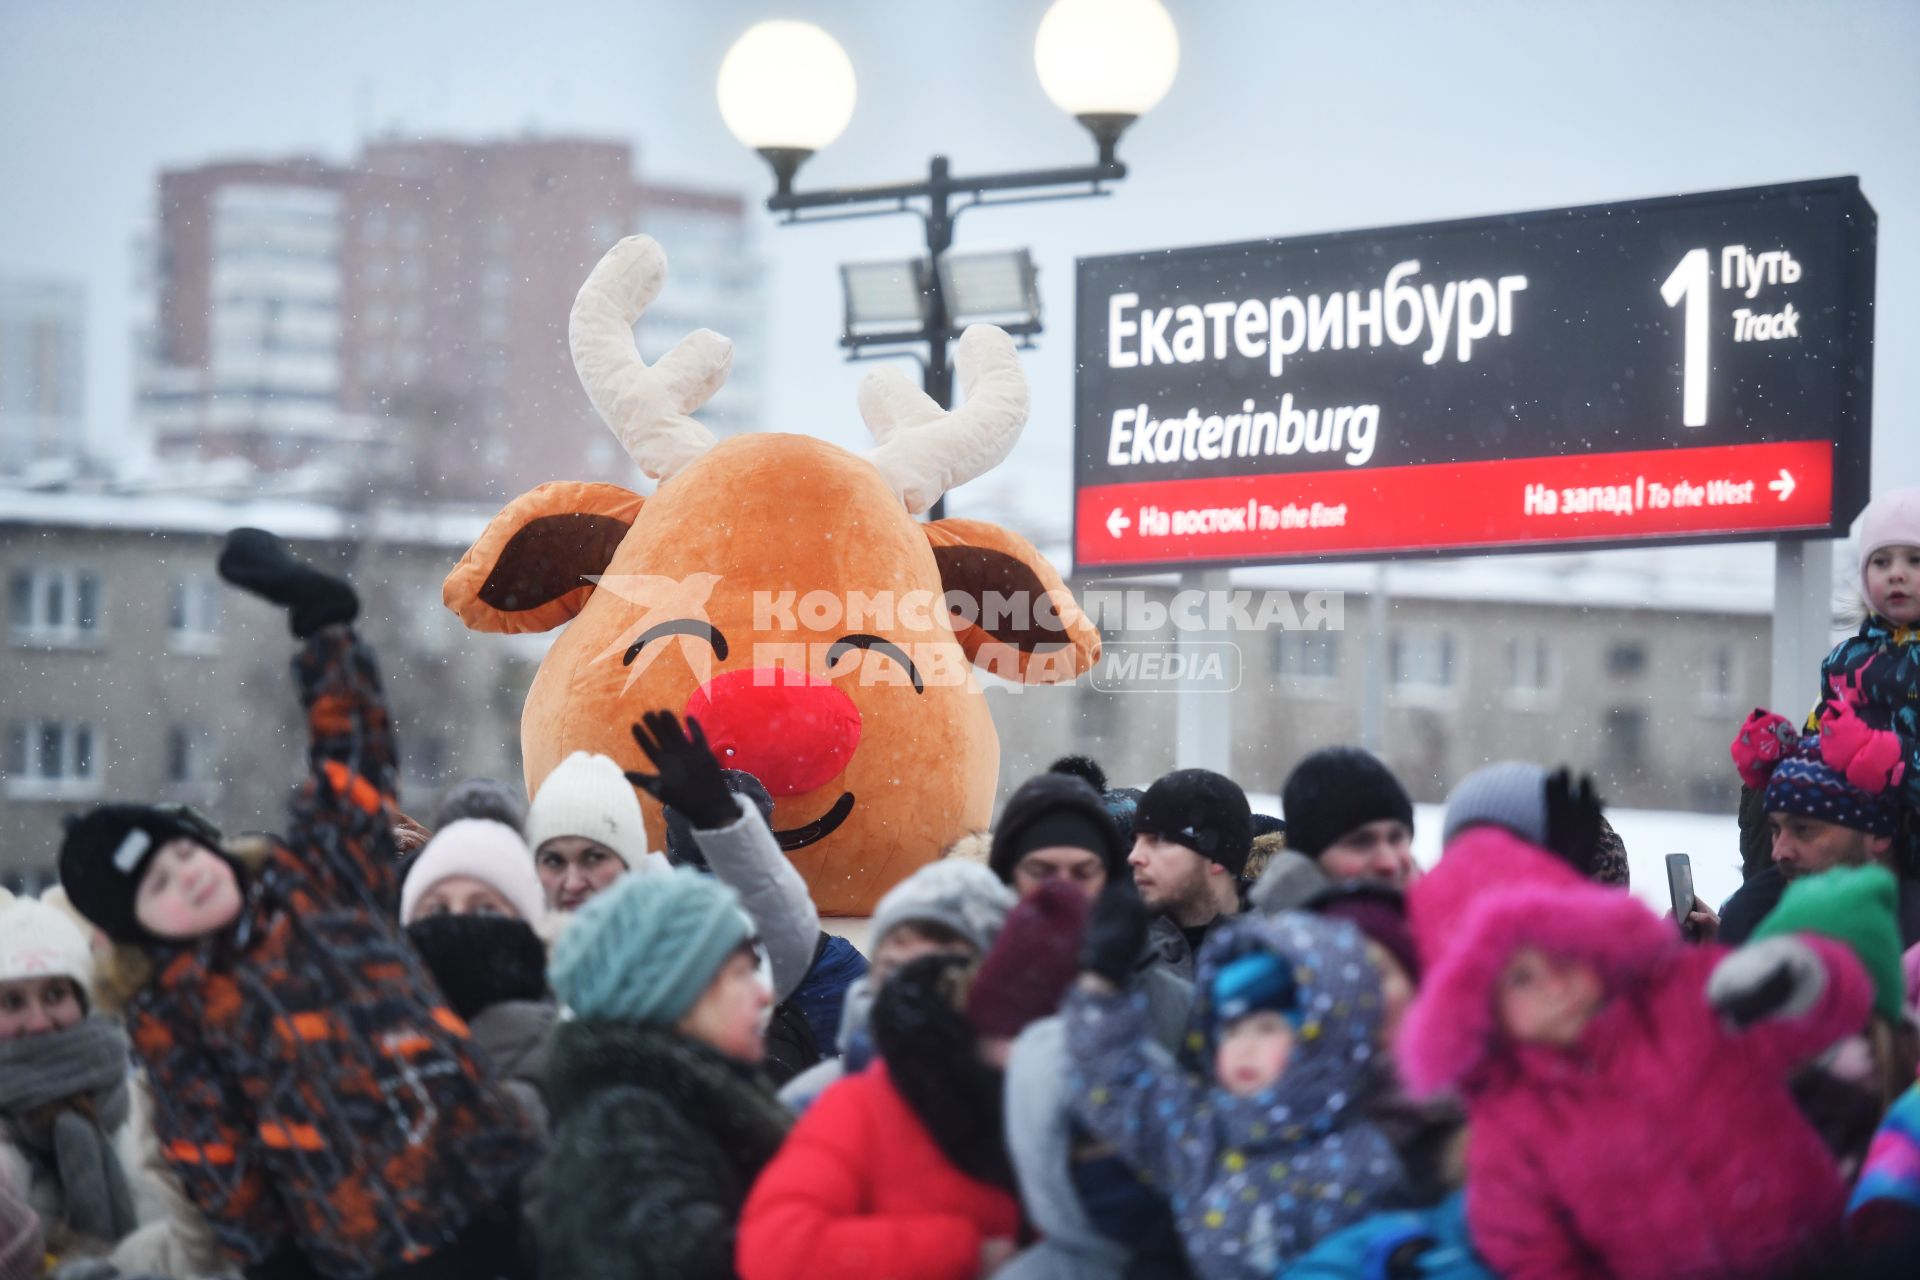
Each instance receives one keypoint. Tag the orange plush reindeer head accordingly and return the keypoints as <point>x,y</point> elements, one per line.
<point>778,589</point>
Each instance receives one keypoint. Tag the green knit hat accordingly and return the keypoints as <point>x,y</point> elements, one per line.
<point>1854,906</point>
<point>643,949</point>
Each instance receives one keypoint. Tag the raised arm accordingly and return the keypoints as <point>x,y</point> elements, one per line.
<point>736,841</point>
<point>744,854</point>
<point>1785,999</point>
<point>341,821</point>
<point>1126,1085</point>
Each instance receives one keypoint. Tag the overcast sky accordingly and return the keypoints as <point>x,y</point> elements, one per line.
<point>1285,118</point>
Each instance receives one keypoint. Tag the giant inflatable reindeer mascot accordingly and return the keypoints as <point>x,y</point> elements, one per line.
<point>778,589</point>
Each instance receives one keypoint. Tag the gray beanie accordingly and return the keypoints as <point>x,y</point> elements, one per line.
<point>962,896</point>
<point>1510,794</point>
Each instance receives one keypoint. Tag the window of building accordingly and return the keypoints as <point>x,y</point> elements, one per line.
<point>1626,658</point>
<point>54,606</point>
<point>1719,677</point>
<point>55,756</point>
<point>1625,745</point>
<point>1307,655</point>
<point>1532,674</point>
<point>1422,660</point>
<point>193,612</point>
<point>190,756</point>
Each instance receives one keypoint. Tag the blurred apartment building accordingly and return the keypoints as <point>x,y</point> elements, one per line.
<point>132,672</point>
<point>42,379</point>
<point>398,324</point>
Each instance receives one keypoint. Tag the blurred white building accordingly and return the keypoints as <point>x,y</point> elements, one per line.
<point>42,378</point>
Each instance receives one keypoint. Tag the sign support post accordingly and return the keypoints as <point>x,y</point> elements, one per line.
<point>1203,713</point>
<point>1373,676</point>
<point>1802,623</point>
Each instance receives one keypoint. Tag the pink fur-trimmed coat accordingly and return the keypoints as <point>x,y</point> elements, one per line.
<point>1663,1143</point>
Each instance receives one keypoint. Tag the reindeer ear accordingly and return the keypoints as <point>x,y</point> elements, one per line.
<point>1015,616</point>
<point>529,571</point>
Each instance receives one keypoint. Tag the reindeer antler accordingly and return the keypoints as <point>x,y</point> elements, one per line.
<point>925,450</point>
<point>647,408</point>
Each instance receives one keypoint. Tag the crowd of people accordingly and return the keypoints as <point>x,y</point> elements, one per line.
<point>1130,1032</point>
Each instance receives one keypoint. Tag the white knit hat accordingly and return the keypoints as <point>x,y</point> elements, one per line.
<point>41,941</point>
<point>589,796</point>
<point>490,852</point>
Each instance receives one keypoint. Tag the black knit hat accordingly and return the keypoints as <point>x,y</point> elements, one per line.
<point>1335,790</point>
<point>106,851</point>
<point>1202,810</point>
<point>1056,809</point>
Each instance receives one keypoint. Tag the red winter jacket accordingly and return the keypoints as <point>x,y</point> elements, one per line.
<point>1661,1144</point>
<point>860,1192</point>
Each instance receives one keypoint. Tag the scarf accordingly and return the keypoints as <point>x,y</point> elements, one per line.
<point>481,961</point>
<point>64,1092</point>
<point>932,1057</point>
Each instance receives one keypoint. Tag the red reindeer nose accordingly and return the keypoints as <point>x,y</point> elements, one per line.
<point>791,730</point>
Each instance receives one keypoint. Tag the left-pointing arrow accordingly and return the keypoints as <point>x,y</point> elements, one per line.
<point>1116,522</point>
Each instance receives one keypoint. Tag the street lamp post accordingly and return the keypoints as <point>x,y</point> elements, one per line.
<point>786,89</point>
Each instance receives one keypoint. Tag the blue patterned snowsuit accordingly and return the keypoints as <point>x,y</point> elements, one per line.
<point>1254,1182</point>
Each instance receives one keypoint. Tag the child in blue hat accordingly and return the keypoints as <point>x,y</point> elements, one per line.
<point>1256,1134</point>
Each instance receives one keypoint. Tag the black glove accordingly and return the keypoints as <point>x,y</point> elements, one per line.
<point>1116,934</point>
<point>689,779</point>
<point>1573,820</point>
<point>1778,977</point>
<point>260,564</point>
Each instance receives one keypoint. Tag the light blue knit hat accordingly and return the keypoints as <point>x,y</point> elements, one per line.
<point>643,949</point>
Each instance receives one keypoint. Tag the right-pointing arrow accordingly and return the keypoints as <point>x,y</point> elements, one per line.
<point>1783,486</point>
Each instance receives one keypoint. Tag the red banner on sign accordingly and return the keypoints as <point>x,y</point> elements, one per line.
<point>1510,503</point>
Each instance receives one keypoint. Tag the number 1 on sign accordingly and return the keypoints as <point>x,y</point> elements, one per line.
<point>1691,280</point>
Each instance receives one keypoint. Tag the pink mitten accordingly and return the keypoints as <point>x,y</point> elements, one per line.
<point>1762,740</point>
<point>1870,758</point>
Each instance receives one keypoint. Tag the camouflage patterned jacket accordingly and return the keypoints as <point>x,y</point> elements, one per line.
<point>311,1087</point>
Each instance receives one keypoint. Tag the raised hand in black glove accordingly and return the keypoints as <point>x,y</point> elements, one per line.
<point>1116,934</point>
<point>1778,977</point>
<point>260,564</point>
<point>689,778</point>
<point>1573,820</point>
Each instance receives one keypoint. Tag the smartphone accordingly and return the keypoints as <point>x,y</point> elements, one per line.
<point>1680,889</point>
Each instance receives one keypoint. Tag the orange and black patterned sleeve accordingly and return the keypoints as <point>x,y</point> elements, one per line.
<point>342,830</point>
<point>205,1141</point>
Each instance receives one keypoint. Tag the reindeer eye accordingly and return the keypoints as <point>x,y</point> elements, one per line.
<point>847,644</point>
<point>679,627</point>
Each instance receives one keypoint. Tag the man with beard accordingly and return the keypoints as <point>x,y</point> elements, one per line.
<point>1191,837</point>
<point>1817,819</point>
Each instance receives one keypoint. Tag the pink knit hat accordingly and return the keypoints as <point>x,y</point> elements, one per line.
<point>1890,520</point>
<point>490,852</point>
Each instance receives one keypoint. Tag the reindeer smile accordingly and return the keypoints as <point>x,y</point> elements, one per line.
<point>819,829</point>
